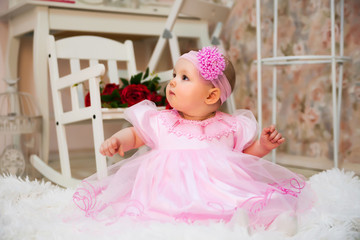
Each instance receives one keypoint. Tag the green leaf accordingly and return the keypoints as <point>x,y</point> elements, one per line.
<point>146,73</point>
<point>152,87</point>
<point>106,98</point>
<point>123,105</point>
<point>115,94</point>
<point>105,105</point>
<point>136,79</point>
<point>146,83</point>
<point>156,79</point>
<point>125,82</point>
<point>113,104</point>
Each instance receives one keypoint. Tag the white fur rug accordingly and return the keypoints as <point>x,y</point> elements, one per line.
<point>35,210</point>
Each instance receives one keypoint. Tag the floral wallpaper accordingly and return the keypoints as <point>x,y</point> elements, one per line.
<point>304,97</point>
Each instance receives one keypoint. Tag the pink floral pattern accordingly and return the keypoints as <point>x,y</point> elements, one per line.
<point>304,91</point>
<point>188,128</point>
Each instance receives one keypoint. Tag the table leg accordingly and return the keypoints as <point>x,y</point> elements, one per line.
<point>12,56</point>
<point>41,31</point>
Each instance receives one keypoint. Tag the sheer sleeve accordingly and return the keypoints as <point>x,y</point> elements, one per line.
<point>144,117</point>
<point>247,130</point>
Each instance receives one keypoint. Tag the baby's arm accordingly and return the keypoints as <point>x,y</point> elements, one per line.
<point>270,138</point>
<point>122,141</point>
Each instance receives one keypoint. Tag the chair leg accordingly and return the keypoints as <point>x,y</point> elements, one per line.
<point>64,178</point>
<point>98,134</point>
<point>51,174</point>
<point>230,104</point>
<point>174,48</point>
<point>157,53</point>
<point>63,150</point>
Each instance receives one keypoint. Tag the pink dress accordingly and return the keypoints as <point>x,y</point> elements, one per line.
<point>195,170</point>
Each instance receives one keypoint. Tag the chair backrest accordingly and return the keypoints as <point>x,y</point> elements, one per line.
<point>92,49</point>
<point>208,11</point>
<point>98,52</point>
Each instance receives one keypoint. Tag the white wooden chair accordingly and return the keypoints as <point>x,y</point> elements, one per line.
<point>74,49</point>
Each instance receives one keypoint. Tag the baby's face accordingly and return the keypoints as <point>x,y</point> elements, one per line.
<point>187,91</point>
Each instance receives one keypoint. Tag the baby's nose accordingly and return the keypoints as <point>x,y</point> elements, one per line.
<point>172,83</point>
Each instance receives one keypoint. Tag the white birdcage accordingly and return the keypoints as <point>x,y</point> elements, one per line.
<point>20,128</point>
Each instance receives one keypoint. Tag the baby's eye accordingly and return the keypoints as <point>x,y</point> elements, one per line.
<point>174,75</point>
<point>185,78</point>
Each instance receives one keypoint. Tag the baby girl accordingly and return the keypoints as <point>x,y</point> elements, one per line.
<point>203,164</point>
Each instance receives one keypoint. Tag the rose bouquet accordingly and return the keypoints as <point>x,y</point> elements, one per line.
<point>137,89</point>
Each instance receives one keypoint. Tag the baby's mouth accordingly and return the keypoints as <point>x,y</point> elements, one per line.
<point>171,92</point>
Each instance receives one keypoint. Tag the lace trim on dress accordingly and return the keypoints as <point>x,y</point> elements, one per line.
<point>291,187</point>
<point>85,198</point>
<point>220,125</point>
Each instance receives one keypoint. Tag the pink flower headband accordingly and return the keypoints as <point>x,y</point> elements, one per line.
<point>211,64</point>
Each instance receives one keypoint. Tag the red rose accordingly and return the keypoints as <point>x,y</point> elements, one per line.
<point>120,98</point>
<point>109,88</point>
<point>156,98</point>
<point>87,100</point>
<point>134,93</point>
<point>167,105</point>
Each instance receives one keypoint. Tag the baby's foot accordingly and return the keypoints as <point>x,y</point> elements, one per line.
<point>286,223</point>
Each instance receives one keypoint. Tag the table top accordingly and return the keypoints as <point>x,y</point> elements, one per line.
<point>26,5</point>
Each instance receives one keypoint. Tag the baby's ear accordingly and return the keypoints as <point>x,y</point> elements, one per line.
<point>213,96</point>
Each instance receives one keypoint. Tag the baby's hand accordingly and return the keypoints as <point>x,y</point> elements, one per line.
<point>111,146</point>
<point>271,138</point>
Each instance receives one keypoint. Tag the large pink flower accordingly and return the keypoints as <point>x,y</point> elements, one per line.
<point>212,63</point>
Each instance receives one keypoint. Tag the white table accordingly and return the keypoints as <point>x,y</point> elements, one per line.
<point>41,17</point>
